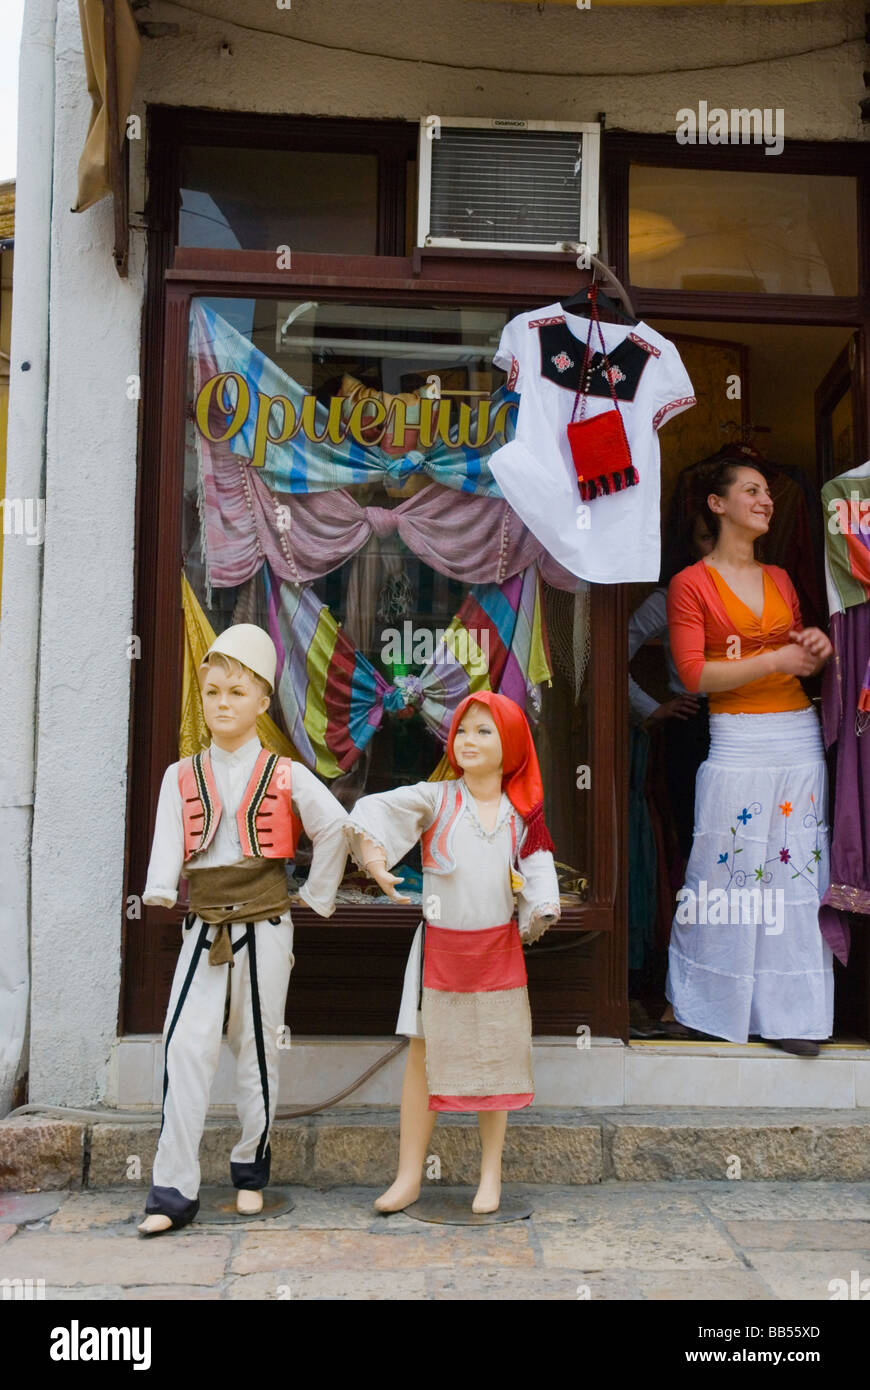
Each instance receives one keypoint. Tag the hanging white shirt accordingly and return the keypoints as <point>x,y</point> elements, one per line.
<point>612,539</point>
<point>322,816</point>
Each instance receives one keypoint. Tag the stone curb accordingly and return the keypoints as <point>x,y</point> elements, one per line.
<point>567,1148</point>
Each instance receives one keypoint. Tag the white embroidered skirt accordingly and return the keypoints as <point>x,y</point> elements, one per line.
<point>746,953</point>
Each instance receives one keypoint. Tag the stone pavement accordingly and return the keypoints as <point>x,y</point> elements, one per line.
<point>650,1241</point>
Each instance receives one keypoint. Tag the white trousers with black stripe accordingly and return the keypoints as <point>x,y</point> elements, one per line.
<point>263,959</point>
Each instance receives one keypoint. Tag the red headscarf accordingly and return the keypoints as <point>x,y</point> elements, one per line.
<point>521,775</point>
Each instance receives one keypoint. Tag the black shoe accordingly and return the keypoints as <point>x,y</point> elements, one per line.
<point>799,1047</point>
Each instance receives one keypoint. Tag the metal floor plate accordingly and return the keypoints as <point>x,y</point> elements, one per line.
<point>217,1205</point>
<point>452,1207</point>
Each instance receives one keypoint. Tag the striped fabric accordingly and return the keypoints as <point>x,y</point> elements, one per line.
<point>333,699</point>
<point>300,465</point>
<point>846,504</point>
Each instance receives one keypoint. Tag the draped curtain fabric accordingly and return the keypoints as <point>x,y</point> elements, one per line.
<point>246,520</point>
<point>292,522</point>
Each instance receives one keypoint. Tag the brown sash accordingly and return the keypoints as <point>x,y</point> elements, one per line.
<point>254,889</point>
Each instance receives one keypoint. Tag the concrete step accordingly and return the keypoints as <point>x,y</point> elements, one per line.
<point>569,1072</point>
<point>567,1147</point>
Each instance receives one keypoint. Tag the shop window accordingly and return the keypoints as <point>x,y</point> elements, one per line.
<point>750,233</point>
<point>258,200</point>
<point>308,424</point>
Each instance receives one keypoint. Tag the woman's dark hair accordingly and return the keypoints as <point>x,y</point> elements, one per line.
<point>716,475</point>
<point>677,548</point>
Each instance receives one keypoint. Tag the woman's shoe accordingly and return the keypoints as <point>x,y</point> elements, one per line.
<point>799,1047</point>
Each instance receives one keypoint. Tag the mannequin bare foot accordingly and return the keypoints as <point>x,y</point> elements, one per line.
<point>155,1225</point>
<point>248,1202</point>
<point>403,1192</point>
<point>487,1197</point>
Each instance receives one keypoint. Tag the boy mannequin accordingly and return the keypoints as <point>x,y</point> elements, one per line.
<point>228,819</point>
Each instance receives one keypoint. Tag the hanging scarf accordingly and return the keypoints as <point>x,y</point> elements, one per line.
<point>521,775</point>
<point>846,504</point>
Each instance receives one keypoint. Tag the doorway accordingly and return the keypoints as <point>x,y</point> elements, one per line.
<point>793,394</point>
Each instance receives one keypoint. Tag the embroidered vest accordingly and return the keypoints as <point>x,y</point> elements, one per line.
<point>436,842</point>
<point>266,822</point>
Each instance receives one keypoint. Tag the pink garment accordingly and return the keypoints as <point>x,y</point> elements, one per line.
<point>477,540</point>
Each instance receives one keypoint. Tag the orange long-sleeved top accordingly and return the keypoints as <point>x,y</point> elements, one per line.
<point>705,615</point>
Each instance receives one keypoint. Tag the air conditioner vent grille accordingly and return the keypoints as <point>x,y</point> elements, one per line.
<point>498,186</point>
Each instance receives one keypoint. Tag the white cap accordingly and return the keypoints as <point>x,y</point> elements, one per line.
<point>251,646</point>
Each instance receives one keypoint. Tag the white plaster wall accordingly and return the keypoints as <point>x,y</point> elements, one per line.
<point>84,675</point>
<point>477,58</point>
<point>462,57</point>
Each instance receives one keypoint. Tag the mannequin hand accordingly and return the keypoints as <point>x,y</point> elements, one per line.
<point>815,641</point>
<point>540,922</point>
<point>386,881</point>
<point>680,707</point>
<point>794,660</point>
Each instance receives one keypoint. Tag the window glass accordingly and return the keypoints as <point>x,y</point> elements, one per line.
<point>720,230</point>
<point>337,493</point>
<point>257,200</point>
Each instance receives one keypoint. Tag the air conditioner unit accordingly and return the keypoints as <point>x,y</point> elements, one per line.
<point>509,185</point>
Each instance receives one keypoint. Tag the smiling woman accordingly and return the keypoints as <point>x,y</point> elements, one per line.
<point>736,633</point>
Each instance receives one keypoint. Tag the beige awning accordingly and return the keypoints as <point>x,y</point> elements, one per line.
<point>95,165</point>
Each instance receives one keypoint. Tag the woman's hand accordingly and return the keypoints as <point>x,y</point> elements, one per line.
<point>815,641</point>
<point>680,707</point>
<point>794,660</point>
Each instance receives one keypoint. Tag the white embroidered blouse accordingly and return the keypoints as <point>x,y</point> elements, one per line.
<point>477,892</point>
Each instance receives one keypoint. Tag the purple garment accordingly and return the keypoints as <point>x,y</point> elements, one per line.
<point>849,888</point>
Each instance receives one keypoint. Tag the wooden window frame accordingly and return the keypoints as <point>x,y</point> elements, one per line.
<point>505,279</point>
<point>175,276</point>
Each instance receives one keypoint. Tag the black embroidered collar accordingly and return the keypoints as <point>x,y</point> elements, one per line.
<point>562,356</point>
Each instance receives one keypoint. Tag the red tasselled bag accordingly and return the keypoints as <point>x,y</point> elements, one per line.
<point>599,446</point>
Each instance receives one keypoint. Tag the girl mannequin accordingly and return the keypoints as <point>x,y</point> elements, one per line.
<point>476,832</point>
